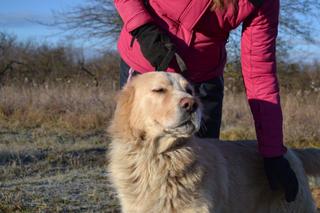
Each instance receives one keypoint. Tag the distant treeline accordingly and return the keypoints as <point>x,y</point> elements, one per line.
<point>25,63</point>
<point>293,77</point>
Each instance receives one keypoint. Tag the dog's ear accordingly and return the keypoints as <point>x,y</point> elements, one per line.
<point>120,124</point>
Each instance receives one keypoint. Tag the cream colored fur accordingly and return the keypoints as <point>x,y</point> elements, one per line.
<point>157,166</point>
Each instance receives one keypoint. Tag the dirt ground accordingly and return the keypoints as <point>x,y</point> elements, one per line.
<point>54,173</point>
<point>51,172</point>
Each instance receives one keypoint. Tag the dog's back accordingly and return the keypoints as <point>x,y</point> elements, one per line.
<point>310,159</point>
<point>248,189</point>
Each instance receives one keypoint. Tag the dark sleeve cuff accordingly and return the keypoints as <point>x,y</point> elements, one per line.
<point>256,3</point>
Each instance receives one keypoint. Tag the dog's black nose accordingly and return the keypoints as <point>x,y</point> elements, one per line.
<point>188,104</point>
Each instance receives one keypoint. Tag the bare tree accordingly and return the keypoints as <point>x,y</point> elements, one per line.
<point>297,16</point>
<point>95,19</point>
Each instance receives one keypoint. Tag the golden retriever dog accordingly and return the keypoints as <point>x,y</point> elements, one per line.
<point>158,166</point>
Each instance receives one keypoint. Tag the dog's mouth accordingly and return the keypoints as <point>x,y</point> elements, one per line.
<point>185,127</point>
<point>184,123</point>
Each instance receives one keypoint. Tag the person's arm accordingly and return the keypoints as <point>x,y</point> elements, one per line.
<point>133,13</point>
<point>155,44</point>
<point>258,59</point>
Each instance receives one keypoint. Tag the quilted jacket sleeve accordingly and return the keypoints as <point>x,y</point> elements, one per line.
<point>133,13</point>
<point>258,59</point>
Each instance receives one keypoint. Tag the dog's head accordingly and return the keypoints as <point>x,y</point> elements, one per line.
<point>156,105</point>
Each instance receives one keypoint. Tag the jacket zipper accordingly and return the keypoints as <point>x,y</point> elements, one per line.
<point>132,41</point>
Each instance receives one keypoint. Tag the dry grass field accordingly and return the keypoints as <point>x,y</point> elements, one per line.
<point>53,144</point>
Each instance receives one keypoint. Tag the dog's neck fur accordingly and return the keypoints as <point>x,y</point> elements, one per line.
<point>161,177</point>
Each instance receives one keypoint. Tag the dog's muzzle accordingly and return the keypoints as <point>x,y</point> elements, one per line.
<point>187,126</point>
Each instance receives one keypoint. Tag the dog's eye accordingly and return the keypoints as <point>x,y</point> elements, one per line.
<point>159,90</point>
<point>189,90</point>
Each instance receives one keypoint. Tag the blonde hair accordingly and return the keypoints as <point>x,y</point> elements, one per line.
<point>222,4</point>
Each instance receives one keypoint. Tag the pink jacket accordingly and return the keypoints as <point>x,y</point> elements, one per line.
<point>205,54</point>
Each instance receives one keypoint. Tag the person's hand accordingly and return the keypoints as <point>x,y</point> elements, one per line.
<point>156,46</point>
<point>281,176</point>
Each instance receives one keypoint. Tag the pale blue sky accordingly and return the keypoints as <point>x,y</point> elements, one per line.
<point>15,16</point>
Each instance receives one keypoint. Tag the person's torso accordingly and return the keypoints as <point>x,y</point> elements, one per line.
<point>199,34</point>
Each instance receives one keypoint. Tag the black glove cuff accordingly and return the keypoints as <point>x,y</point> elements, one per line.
<point>281,175</point>
<point>256,3</point>
<point>146,27</point>
<point>274,159</point>
<point>155,45</point>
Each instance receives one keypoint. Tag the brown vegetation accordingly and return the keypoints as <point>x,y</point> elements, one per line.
<point>31,64</point>
<point>316,194</point>
<point>74,109</point>
<point>301,118</point>
<point>77,109</point>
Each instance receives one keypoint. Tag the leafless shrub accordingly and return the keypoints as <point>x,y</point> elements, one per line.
<point>41,64</point>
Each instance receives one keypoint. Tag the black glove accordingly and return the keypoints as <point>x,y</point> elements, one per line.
<point>155,45</point>
<point>280,175</point>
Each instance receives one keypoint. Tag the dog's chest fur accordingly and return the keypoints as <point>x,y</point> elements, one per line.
<point>149,182</point>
